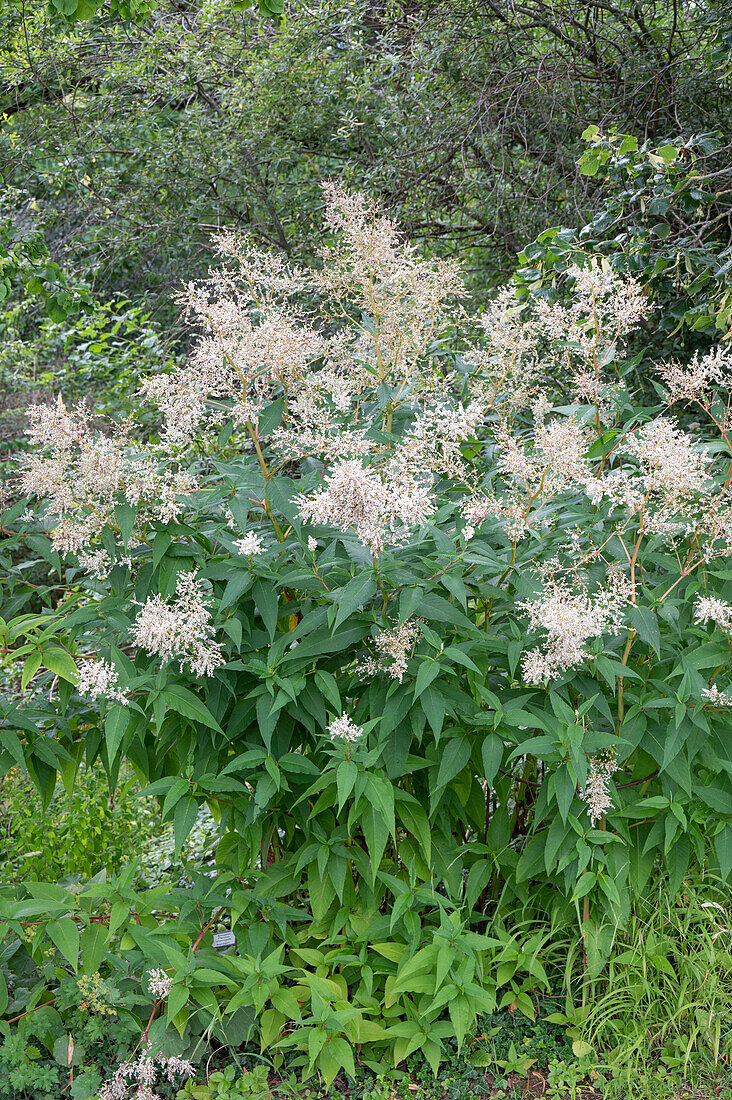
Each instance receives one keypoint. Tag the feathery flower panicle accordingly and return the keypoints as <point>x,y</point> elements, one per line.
<point>83,474</point>
<point>508,509</point>
<point>596,793</point>
<point>672,463</point>
<point>180,628</point>
<point>562,445</point>
<point>571,618</point>
<point>267,275</point>
<point>159,984</point>
<point>584,334</point>
<point>555,462</point>
<point>312,544</point>
<point>251,544</point>
<point>237,369</point>
<point>370,268</point>
<point>433,441</point>
<point>606,306</point>
<point>700,378</point>
<point>670,487</point>
<point>380,508</point>
<point>344,729</point>
<point>395,646</point>
<point>97,563</point>
<point>135,1080</point>
<point>709,608</point>
<point>507,370</point>
<point>100,678</point>
<point>715,697</point>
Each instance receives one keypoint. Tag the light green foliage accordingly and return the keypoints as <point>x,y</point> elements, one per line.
<point>84,828</point>
<point>98,355</point>
<point>672,965</point>
<point>233,1083</point>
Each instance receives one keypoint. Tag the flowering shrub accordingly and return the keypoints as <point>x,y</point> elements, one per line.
<point>435,642</point>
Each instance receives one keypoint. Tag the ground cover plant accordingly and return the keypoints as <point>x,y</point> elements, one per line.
<point>433,614</point>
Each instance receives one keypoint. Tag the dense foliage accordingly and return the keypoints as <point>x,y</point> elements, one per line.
<point>366,629</point>
<point>436,652</point>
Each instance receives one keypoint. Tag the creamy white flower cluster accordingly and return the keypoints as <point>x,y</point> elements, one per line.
<point>710,609</point>
<point>717,698</point>
<point>83,474</point>
<point>344,729</point>
<point>180,628</point>
<point>605,307</point>
<point>571,617</point>
<point>251,545</point>
<point>596,793</point>
<point>381,507</point>
<point>237,368</point>
<point>371,268</point>
<point>100,678</point>
<point>395,647</point>
<point>508,368</point>
<point>700,378</point>
<point>159,984</point>
<point>136,1080</point>
<point>554,462</point>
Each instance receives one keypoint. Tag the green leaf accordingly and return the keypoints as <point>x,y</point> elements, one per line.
<point>723,848</point>
<point>565,787</point>
<point>345,779</point>
<point>267,600</point>
<point>376,834</point>
<point>455,756</point>
<point>184,702</point>
<point>353,596</point>
<point>416,820</point>
<point>65,936</point>
<point>645,625</point>
<point>178,788</point>
<point>426,673</point>
<point>115,726</point>
<point>184,818</point>
<point>30,668</point>
<point>177,999</point>
<point>93,947</point>
<point>236,587</point>
<point>461,1015</point>
<point>492,754</point>
<point>328,685</point>
<point>62,663</point>
<point>125,515</point>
